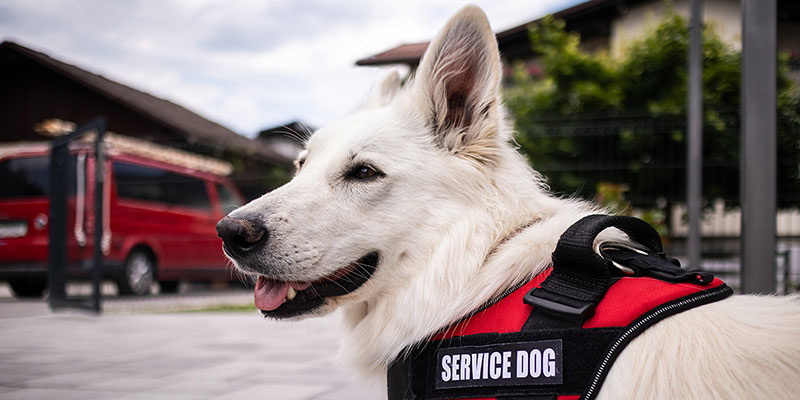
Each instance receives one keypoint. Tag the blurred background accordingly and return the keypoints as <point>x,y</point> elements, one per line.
<point>207,103</point>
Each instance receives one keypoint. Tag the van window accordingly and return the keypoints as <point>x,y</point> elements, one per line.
<point>153,184</point>
<point>228,201</point>
<point>30,176</point>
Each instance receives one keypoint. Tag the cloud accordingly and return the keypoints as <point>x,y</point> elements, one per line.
<point>273,23</point>
<point>246,64</point>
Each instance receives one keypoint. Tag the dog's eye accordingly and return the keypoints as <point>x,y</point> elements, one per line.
<point>364,172</point>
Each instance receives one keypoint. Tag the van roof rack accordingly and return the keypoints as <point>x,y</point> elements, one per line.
<point>127,145</point>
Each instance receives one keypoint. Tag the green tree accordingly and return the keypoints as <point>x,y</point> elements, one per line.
<point>594,118</point>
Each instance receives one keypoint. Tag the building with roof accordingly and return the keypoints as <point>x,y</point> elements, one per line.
<point>37,87</point>
<point>610,25</point>
<point>287,139</point>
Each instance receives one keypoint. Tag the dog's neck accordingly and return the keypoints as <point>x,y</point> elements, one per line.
<point>510,236</point>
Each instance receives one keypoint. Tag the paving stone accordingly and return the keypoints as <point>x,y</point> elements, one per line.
<point>352,391</point>
<point>204,387</point>
<point>126,385</point>
<point>62,394</point>
<point>156,396</point>
<point>66,381</point>
<point>12,378</point>
<point>277,391</point>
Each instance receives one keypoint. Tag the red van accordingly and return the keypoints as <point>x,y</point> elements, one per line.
<point>160,210</point>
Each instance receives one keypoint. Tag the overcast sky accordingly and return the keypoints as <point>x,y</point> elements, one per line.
<point>249,64</point>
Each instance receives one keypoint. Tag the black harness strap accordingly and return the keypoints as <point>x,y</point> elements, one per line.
<point>581,276</point>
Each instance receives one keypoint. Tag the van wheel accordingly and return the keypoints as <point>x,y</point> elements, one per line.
<point>168,286</point>
<point>137,276</point>
<point>27,288</point>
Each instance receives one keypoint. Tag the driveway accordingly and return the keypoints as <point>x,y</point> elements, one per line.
<point>130,353</point>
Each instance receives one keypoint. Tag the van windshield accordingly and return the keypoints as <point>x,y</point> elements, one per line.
<point>30,176</point>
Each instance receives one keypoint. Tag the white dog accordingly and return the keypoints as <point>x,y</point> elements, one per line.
<point>416,210</point>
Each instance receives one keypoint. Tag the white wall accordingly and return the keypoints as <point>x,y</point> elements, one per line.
<point>722,15</point>
<point>721,222</point>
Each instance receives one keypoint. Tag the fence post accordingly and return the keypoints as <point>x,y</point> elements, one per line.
<point>99,192</point>
<point>694,171</point>
<point>57,239</point>
<point>758,145</point>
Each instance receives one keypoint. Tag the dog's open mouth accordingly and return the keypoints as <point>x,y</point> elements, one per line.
<point>281,299</point>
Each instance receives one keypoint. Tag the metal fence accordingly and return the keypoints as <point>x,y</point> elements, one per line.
<point>645,156</point>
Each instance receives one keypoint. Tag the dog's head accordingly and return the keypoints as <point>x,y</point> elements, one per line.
<point>371,189</point>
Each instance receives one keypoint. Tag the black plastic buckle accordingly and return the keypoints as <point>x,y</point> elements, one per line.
<point>581,313</point>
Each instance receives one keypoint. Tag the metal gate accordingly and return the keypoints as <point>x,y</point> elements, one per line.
<point>59,176</point>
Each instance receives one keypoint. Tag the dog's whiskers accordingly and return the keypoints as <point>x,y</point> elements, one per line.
<point>299,137</point>
<point>313,289</point>
<point>334,282</point>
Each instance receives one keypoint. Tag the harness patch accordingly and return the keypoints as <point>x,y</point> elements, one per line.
<point>519,363</point>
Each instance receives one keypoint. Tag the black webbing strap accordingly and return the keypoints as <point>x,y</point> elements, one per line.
<point>580,276</point>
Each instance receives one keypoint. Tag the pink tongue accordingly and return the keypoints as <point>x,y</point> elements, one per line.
<point>269,294</point>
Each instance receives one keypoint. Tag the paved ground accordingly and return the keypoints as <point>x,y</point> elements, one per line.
<point>132,354</point>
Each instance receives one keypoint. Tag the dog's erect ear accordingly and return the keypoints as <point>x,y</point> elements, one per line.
<point>384,91</point>
<point>459,79</point>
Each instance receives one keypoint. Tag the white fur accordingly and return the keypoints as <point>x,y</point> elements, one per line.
<point>452,189</point>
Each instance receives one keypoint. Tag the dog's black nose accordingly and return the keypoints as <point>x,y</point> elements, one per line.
<point>242,235</point>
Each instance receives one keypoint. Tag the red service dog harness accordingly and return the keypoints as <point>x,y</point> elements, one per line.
<point>556,336</point>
